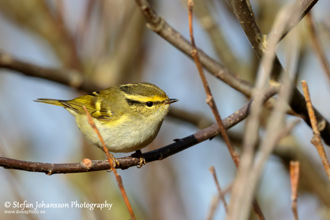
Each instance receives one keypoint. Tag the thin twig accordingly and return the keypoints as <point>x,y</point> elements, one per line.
<point>316,140</point>
<point>217,36</point>
<point>317,45</point>
<point>294,177</point>
<point>209,97</point>
<point>221,195</point>
<point>215,202</point>
<point>60,12</point>
<point>111,163</point>
<point>71,59</point>
<point>213,207</point>
<point>81,31</point>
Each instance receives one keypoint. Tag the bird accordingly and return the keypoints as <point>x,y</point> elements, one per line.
<point>128,116</point>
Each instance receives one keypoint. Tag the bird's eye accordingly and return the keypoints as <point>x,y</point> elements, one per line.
<point>149,104</point>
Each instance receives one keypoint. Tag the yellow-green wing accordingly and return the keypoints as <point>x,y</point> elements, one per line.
<point>94,104</point>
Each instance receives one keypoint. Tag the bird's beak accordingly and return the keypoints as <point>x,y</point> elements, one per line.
<point>169,101</point>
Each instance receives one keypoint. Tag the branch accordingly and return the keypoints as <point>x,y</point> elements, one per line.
<point>294,177</point>
<point>317,45</point>
<point>302,8</point>
<point>209,97</point>
<point>216,199</point>
<point>125,162</point>
<point>220,192</point>
<point>70,52</point>
<point>316,140</point>
<point>217,36</point>
<point>66,77</point>
<point>245,17</point>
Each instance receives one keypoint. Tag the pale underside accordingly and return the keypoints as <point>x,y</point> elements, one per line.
<point>128,136</point>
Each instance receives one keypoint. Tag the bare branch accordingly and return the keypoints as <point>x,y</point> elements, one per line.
<point>209,97</point>
<point>294,177</point>
<point>221,194</point>
<point>215,202</point>
<point>217,36</point>
<point>66,77</point>
<point>316,140</point>
<point>302,8</point>
<point>317,45</point>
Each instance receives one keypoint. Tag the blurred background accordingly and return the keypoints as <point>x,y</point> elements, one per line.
<point>108,43</point>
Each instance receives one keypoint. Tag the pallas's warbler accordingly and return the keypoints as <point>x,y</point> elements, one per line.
<point>128,116</point>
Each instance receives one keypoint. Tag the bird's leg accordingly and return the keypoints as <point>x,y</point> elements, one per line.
<point>116,163</point>
<point>138,154</point>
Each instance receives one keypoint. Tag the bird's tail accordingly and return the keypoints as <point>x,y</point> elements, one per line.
<point>51,101</point>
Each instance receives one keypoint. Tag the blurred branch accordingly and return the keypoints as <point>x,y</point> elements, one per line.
<point>220,192</point>
<point>215,202</point>
<point>221,46</point>
<point>302,7</point>
<point>259,43</point>
<point>70,52</point>
<point>252,165</point>
<point>60,12</point>
<point>67,77</point>
<point>38,17</point>
<point>126,162</point>
<point>197,119</point>
<point>245,16</point>
<point>81,31</point>
<point>317,45</point>
<point>126,45</point>
<point>312,181</point>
